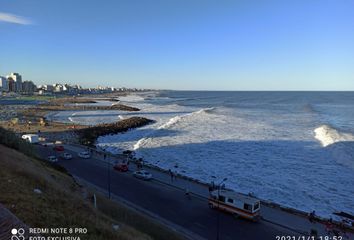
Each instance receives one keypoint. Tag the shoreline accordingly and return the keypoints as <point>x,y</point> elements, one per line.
<point>265,202</point>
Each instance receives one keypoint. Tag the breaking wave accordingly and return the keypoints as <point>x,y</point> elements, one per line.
<point>171,122</point>
<point>343,149</point>
<point>328,135</point>
<point>175,120</point>
<point>131,98</point>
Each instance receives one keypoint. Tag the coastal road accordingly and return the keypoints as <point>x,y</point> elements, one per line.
<point>167,202</point>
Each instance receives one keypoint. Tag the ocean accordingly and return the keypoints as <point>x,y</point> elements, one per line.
<point>293,148</point>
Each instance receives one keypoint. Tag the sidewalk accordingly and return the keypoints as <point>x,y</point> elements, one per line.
<point>298,224</point>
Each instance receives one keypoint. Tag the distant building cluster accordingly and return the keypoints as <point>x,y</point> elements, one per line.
<point>13,83</point>
<point>47,89</point>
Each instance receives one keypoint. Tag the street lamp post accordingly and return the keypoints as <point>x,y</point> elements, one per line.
<point>218,219</point>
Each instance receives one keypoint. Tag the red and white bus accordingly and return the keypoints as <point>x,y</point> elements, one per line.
<point>235,203</point>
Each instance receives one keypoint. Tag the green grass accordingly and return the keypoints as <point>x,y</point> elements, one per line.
<point>10,139</point>
<point>61,204</point>
<point>35,98</point>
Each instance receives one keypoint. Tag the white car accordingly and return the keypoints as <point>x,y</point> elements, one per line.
<point>84,154</point>
<point>67,156</point>
<point>52,158</point>
<point>142,174</point>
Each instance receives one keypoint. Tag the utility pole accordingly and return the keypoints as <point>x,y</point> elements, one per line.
<point>218,219</point>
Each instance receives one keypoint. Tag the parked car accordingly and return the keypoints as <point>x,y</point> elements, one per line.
<point>52,158</point>
<point>84,154</point>
<point>67,156</point>
<point>121,167</point>
<point>143,174</point>
<point>59,148</point>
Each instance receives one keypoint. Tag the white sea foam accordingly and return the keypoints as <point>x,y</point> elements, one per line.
<point>176,119</point>
<point>328,135</point>
<point>170,123</point>
<point>340,144</point>
<point>139,143</point>
<point>131,98</point>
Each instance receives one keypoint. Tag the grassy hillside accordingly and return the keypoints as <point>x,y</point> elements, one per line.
<point>9,139</point>
<point>63,203</point>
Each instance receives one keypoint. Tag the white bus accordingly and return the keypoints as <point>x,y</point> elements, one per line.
<point>31,138</point>
<point>238,204</point>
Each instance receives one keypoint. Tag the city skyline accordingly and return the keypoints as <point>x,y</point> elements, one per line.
<point>13,83</point>
<point>199,45</point>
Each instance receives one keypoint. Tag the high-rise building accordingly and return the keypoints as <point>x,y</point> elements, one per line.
<point>17,82</point>
<point>4,86</point>
<point>12,85</point>
<point>28,87</point>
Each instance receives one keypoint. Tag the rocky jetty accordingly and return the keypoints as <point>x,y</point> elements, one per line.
<point>88,136</point>
<point>123,108</point>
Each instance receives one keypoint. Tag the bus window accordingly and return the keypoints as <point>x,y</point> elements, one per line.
<point>255,207</point>
<point>247,207</point>
<point>230,200</point>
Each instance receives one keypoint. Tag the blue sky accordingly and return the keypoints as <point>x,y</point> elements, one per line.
<point>181,44</point>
